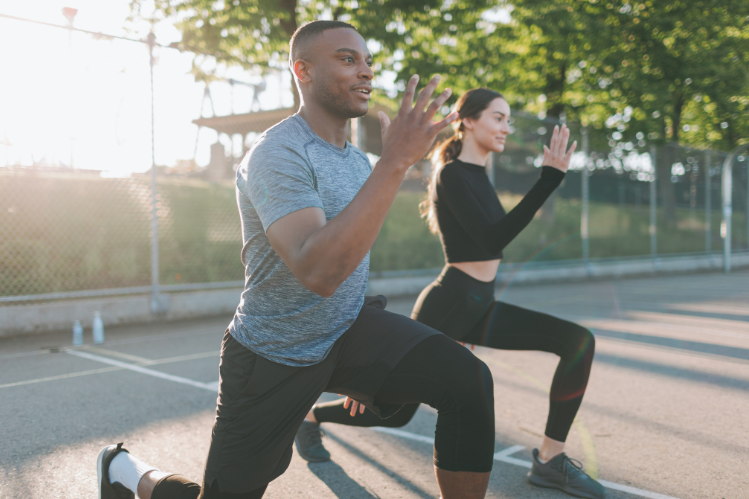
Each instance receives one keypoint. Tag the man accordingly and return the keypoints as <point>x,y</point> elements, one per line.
<point>311,208</point>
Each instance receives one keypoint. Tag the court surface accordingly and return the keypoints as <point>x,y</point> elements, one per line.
<point>666,413</point>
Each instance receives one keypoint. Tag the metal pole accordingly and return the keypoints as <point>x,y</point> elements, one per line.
<point>70,14</point>
<point>725,229</point>
<point>653,194</point>
<point>708,203</point>
<point>585,196</point>
<point>157,305</point>
<point>357,134</point>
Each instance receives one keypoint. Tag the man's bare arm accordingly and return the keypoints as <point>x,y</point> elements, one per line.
<point>322,255</point>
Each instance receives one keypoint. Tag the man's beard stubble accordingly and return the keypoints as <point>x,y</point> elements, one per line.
<point>341,107</point>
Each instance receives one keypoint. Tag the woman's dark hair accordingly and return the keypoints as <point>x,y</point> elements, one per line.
<point>470,105</point>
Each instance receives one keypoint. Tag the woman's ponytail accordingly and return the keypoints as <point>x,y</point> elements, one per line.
<point>470,105</point>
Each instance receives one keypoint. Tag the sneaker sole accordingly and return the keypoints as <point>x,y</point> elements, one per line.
<point>309,458</point>
<point>539,481</point>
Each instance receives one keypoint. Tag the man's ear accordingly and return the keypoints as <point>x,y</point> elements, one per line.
<point>301,71</point>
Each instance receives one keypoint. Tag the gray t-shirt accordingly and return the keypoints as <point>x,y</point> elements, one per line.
<point>290,168</point>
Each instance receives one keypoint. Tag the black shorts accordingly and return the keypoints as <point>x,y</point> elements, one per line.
<point>261,404</point>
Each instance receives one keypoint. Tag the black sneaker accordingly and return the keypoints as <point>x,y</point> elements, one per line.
<point>566,475</point>
<point>308,441</point>
<point>109,490</point>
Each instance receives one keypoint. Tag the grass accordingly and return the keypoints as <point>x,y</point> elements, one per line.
<point>67,233</point>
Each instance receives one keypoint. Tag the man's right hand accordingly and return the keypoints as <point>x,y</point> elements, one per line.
<point>408,138</point>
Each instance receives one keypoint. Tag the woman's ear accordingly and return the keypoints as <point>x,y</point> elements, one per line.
<point>467,124</point>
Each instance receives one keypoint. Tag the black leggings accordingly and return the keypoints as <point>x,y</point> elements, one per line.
<point>464,309</point>
<point>462,393</point>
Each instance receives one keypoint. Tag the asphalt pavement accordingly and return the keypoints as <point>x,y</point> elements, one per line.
<point>666,413</point>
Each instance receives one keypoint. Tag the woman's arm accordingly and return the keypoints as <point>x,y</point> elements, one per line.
<point>494,236</point>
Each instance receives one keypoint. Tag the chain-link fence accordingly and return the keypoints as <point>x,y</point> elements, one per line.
<point>79,162</point>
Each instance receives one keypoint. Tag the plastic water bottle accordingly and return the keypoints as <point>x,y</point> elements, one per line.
<point>98,328</point>
<point>77,334</point>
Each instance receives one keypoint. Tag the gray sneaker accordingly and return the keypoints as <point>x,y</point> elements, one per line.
<point>308,441</point>
<point>566,475</point>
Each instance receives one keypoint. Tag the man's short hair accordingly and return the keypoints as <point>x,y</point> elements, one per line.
<point>302,37</point>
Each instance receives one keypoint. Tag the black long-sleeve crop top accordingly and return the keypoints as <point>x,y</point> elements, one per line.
<point>473,226</point>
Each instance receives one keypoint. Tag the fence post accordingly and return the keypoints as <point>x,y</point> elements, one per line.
<point>159,302</point>
<point>653,212</point>
<point>358,137</point>
<point>585,197</point>
<point>708,201</point>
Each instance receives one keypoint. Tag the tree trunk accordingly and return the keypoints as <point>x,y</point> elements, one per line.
<point>290,25</point>
<point>554,96</point>
<point>666,160</point>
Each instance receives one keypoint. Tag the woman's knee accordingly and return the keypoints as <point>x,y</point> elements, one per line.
<point>580,343</point>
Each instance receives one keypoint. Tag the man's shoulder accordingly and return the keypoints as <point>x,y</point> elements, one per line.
<point>287,134</point>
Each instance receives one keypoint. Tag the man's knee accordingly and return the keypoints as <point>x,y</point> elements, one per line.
<point>472,392</point>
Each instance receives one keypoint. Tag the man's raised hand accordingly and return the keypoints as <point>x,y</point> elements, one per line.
<point>408,138</point>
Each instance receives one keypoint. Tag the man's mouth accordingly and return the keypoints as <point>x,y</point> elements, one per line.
<point>365,91</point>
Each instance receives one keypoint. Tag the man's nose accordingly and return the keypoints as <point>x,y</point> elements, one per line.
<point>366,73</point>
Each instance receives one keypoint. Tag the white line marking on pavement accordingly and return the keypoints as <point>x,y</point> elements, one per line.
<point>62,376</point>
<point>405,434</point>
<point>503,455</point>
<point>144,370</point>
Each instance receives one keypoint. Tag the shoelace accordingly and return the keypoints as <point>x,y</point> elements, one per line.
<point>570,468</point>
<point>314,436</point>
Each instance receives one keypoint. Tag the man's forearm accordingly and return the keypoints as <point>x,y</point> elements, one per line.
<point>331,253</point>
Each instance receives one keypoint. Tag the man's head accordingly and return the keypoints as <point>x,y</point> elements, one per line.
<point>330,63</point>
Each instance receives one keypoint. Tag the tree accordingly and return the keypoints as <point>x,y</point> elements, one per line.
<point>255,33</point>
<point>665,62</point>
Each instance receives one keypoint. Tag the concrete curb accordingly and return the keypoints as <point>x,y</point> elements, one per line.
<point>402,284</point>
<point>46,316</point>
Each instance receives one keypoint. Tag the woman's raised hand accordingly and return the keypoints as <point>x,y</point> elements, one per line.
<point>556,154</point>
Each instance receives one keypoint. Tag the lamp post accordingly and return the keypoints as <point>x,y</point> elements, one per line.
<point>69,14</point>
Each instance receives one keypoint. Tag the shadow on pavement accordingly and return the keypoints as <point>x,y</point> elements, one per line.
<point>690,346</point>
<point>384,469</point>
<point>339,483</point>
<point>673,372</point>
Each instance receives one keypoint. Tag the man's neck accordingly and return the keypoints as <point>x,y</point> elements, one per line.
<point>329,127</point>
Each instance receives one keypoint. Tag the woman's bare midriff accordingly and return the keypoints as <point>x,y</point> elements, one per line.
<point>482,271</point>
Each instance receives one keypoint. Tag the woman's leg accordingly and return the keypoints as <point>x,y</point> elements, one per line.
<point>334,412</point>
<point>508,327</point>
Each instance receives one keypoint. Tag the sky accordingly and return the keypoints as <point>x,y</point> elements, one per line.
<point>73,99</point>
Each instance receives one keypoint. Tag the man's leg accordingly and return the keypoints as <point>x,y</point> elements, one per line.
<point>446,376</point>
<point>389,361</point>
<point>260,406</point>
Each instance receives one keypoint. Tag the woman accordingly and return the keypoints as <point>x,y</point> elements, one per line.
<point>462,207</point>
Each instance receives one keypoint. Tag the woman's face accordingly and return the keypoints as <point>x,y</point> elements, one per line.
<point>491,129</point>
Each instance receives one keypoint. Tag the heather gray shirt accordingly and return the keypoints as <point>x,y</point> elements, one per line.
<point>290,168</point>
